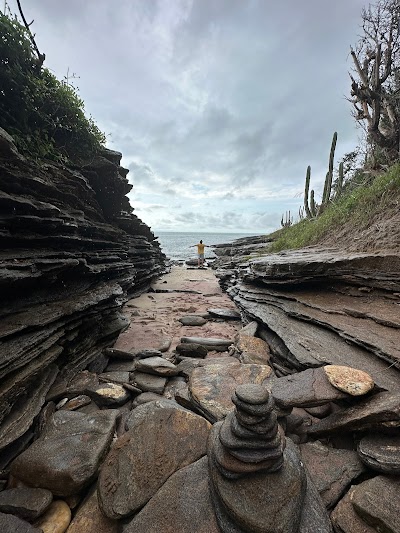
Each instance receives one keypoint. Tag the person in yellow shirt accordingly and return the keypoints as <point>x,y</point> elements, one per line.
<point>200,252</point>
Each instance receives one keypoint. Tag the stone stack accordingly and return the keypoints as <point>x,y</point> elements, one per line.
<point>249,440</point>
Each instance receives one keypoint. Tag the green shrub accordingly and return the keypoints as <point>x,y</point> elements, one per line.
<point>45,116</point>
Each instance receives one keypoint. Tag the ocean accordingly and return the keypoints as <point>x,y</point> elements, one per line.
<point>175,245</point>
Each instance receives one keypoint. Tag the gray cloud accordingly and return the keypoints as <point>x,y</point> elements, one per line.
<point>210,101</point>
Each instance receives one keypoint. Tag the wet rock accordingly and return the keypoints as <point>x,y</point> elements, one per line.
<point>381,453</point>
<point>305,389</point>
<point>24,502</point>
<point>138,465</point>
<point>211,386</point>
<point>11,523</point>
<point>182,504</point>
<point>56,519</point>
<point>381,411</point>
<point>192,320</point>
<point>149,382</point>
<point>157,366</point>
<point>351,380</point>
<point>226,314</point>
<point>377,502</point>
<point>212,344</point>
<point>331,470</point>
<point>346,520</point>
<point>191,350</point>
<point>66,457</point>
<point>90,519</point>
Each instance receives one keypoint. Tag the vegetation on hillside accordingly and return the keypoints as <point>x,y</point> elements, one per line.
<point>357,206</point>
<point>45,116</point>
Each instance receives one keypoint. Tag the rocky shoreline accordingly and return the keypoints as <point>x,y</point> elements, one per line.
<point>263,398</point>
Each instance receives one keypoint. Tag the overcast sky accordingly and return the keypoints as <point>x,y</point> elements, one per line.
<point>218,106</point>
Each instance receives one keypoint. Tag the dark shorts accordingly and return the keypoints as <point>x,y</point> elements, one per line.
<point>201,256</point>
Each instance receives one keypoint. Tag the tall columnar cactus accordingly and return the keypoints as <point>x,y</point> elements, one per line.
<point>306,191</point>
<point>339,184</point>
<point>312,209</point>
<point>329,177</point>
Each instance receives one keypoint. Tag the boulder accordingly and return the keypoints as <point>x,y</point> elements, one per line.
<point>67,455</point>
<point>332,470</point>
<point>252,350</point>
<point>162,437</point>
<point>182,504</point>
<point>377,502</point>
<point>211,386</point>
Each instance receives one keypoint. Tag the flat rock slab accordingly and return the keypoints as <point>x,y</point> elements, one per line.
<point>308,388</point>
<point>219,345</point>
<point>182,504</point>
<point>11,523</point>
<point>377,502</point>
<point>119,354</point>
<point>253,350</point>
<point>25,502</point>
<point>162,438</point>
<point>149,382</point>
<point>381,453</point>
<point>212,386</point>
<point>346,520</point>
<point>115,377</point>
<point>192,320</point>
<point>157,366</point>
<point>67,455</point>
<point>90,519</point>
<point>332,470</point>
<point>226,314</point>
<point>379,411</point>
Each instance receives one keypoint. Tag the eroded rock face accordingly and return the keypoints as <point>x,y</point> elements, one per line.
<point>162,437</point>
<point>67,456</point>
<point>71,251</point>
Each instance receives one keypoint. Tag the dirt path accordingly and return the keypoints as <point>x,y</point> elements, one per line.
<point>154,315</point>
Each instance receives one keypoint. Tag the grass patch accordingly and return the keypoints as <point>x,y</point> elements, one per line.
<point>356,208</point>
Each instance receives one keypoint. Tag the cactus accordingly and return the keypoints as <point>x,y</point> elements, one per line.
<point>339,184</point>
<point>306,189</point>
<point>329,176</point>
<point>288,220</point>
<point>313,205</point>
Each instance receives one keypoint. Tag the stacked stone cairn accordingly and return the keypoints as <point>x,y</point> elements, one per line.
<point>257,478</point>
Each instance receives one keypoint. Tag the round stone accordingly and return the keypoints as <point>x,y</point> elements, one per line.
<point>252,393</point>
<point>351,380</point>
<point>260,409</point>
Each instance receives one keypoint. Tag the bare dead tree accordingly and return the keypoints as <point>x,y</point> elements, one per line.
<point>41,57</point>
<point>375,87</point>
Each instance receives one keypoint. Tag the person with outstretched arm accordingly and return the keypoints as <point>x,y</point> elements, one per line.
<point>200,252</point>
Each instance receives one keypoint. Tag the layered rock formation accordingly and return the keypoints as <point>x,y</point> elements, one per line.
<point>71,250</point>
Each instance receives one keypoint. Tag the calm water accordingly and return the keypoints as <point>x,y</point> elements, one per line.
<point>175,245</point>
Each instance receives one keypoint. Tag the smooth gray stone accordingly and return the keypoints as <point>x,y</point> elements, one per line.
<point>115,377</point>
<point>209,343</point>
<point>191,350</point>
<point>12,524</point>
<point>228,314</point>
<point>119,354</point>
<point>192,320</point>
<point>157,366</point>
